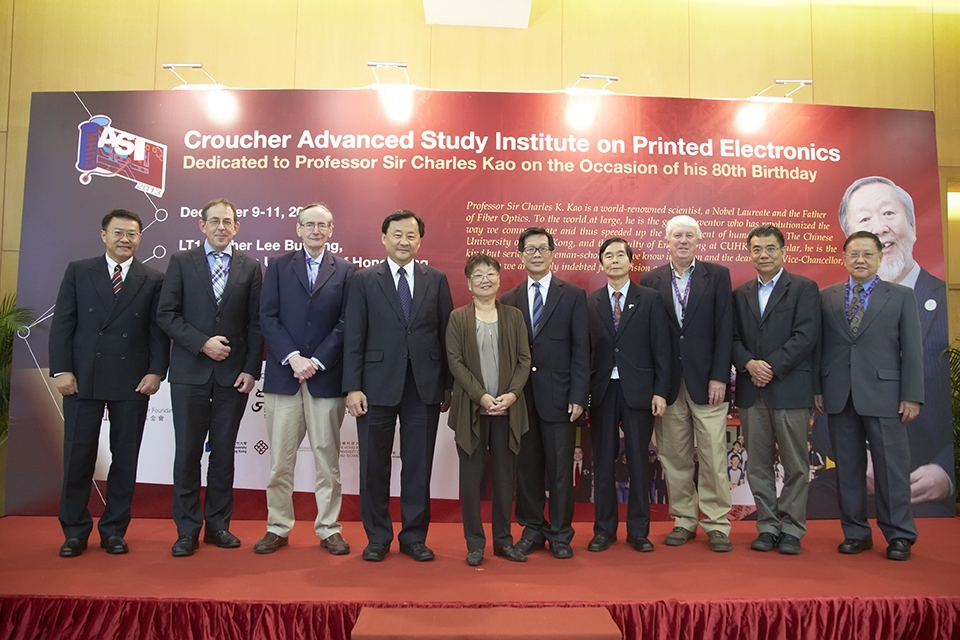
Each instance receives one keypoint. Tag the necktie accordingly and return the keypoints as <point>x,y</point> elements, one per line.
<point>537,307</point>
<point>219,276</point>
<point>856,303</point>
<point>117,280</point>
<point>403,289</point>
<point>312,268</point>
<point>616,310</point>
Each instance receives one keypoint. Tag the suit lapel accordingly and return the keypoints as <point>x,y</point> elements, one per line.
<point>837,307</point>
<point>203,272</point>
<point>326,269</point>
<point>698,284</point>
<point>553,299</point>
<point>629,307</point>
<point>523,297</point>
<point>136,276</point>
<point>385,278</point>
<point>299,266</point>
<point>419,287</point>
<point>601,306</point>
<point>237,261</point>
<point>101,283</point>
<point>779,290</point>
<point>878,298</point>
<point>664,285</point>
<point>753,299</point>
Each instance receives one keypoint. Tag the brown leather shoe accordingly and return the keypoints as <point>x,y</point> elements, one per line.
<point>269,543</point>
<point>336,545</point>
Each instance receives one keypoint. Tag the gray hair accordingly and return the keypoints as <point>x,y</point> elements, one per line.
<point>682,221</point>
<point>313,205</point>
<point>903,196</point>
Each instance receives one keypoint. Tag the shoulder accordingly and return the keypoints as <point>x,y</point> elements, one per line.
<point>714,268</point>
<point>568,287</point>
<point>149,272</point>
<point>431,272</point>
<point>372,271</point>
<point>601,293</point>
<point>798,280</point>
<point>340,263</point>
<point>654,274</point>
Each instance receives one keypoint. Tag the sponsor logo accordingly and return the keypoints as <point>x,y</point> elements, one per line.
<point>104,150</point>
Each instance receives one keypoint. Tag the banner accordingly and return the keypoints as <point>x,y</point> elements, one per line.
<point>478,167</point>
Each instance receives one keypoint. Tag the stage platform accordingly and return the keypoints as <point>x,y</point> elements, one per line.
<point>303,592</point>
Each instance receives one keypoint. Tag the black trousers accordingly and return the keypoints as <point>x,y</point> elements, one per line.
<point>607,418</point>
<point>495,437</point>
<point>81,438</point>
<point>546,450</point>
<point>201,412</point>
<point>418,439</point>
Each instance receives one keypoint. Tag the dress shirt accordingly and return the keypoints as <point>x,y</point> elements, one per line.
<point>764,290</point>
<point>212,259</point>
<point>866,291</point>
<point>124,267</point>
<point>544,287</point>
<point>681,282</point>
<point>615,374</point>
<point>395,270</point>
<point>910,280</point>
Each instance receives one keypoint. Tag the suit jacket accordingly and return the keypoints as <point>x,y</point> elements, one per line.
<point>378,342</point>
<point>703,347</point>
<point>108,345</point>
<point>560,352</point>
<point>294,318</point>
<point>189,314</point>
<point>785,336</point>
<point>931,438</point>
<point>639,347</point>
<point>883,364</point>
<point>463,356</point>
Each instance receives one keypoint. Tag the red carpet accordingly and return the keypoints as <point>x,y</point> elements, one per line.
<point>303,592</point>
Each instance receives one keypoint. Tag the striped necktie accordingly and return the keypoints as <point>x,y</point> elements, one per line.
<point>219,276</point>
<point>117,280</point>
<point>537,307</point>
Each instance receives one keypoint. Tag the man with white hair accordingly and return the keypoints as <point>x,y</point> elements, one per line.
<point>699,302</point>
<point>878,205</point>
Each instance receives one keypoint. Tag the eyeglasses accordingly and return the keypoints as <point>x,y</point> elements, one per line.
<point>770,251</point>
<point>541,250</point>
<point>866,255</point>
<point>216,222</point>
<point>310,226</point>
<point>116,234</point>
<point>480,277</point>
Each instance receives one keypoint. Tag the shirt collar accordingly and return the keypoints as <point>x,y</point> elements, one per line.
<point>544,281</point>
<point>910,280</point>
<point>866,285</point>
<point>123,265</point>
<point>394,267</point>
<point>208,248</point>
<point>318,259</point>
<point>688,271</point>
<point>773,280</point>
<point>623,290</point>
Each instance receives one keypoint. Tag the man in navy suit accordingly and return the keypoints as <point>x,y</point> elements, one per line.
<point>395,366</point>
<point>210,308</point>
<point>630,379</point>
<point>699,304</point>
<point>302,307</point>
<point>878,205</point>
<point>106,350</point>
<point>776,332</point>
<point>556,394</point>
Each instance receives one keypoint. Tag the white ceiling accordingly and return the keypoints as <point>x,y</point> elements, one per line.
<point>514,14</point>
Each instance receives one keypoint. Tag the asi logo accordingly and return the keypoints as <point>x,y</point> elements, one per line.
<point>106,151</point>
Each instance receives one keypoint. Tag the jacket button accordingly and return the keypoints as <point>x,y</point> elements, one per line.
<point>309,324</point>
<point>101,333</point>
<point>124,335</point>
<point>681,337</point>
<point>533,369</point>
<point>616,349</point>
<point>90,310</point>
<point>98,355</point>
<point>217,319</point>
<point>123,357</point>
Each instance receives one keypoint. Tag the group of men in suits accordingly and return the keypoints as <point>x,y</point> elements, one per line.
<point>648,358</point>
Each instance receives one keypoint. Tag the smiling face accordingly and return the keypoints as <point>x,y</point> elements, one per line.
<point>315,226</point>
<point>220,226</point>
<point>537,256</point>
<point>402,240</point>
<point>121,237</point>
<point>615,262</point>
<point>875,207</point>
<point>484,282</point>
<point>862,259</point>
<point>682,244</point>
<point>767,256</point>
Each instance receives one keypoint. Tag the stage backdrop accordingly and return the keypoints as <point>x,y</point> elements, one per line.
<point>479,168</point>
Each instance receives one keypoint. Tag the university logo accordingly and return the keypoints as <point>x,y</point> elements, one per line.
<point>106,151</point>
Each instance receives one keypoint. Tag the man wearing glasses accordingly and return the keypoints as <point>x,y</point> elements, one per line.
<point>106,350</point>
<point>210,308</point>
<point>556,394</point>
<point>301,314</point>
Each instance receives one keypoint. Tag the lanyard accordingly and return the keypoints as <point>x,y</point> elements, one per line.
<point>852,310</point>
<point>682,299</point>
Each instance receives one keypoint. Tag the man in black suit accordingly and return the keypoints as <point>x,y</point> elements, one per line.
<point>301,314</point>
<point>395,365</point>
<point>630,379</point>
<point>698,302</point>
<point>106,350</point>
<point>878,205</point>
<point>210,308</point>
<point>871,376</point>
<point>776,332</point>
<point>556,394</point>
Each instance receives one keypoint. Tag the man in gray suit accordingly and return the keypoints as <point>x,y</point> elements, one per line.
<point>776,331</point>
<point>871,376</point>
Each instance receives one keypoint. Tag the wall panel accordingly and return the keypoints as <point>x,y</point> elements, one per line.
<point>6,43</point>
<point>946,68</point>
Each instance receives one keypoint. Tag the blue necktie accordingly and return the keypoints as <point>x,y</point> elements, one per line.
<point>403,288</point>
<point>537,307</point>
<point>219,276</point>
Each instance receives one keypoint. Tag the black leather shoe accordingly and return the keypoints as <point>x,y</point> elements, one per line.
<point>766,541</point>
<point>899,549</point>
<point>640,544</point>
<point>526,546</point>
<point>185,546</point>
<point>601,542</point>
<point>72,547</point>
<point>511,553</point>
<point>475,557</point>
<point>418,551</point>
<point>222,538</point>
<point>789,545</point>
<point>375,552</point>
<point>561,550</point>
<point>853,546</point>
<point>114,545</point>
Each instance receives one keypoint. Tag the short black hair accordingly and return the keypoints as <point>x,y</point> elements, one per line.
<point>401,214</point>
<point>212,203</point>
<point>863,234</point>
<point>533,231</point>
<point>120,213</point>
<point>610,241</point>
<point>477,259</point>
<point>764,231</point>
